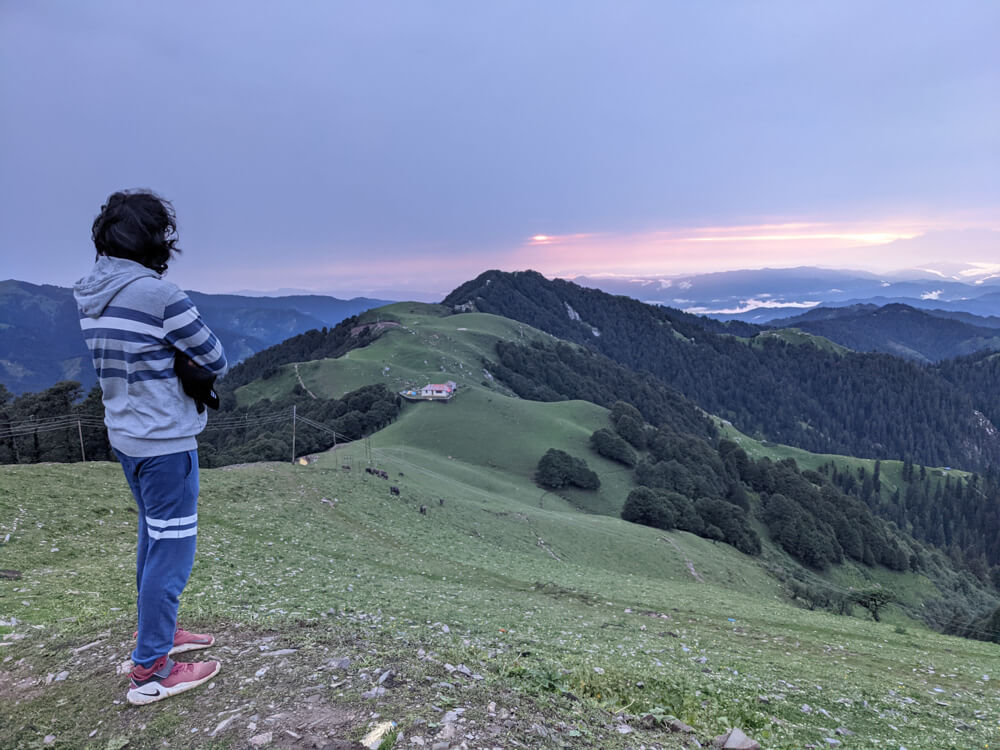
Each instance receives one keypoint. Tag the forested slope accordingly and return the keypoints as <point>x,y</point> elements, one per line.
<point>689,479</point>
<point>897,329</point>
<point>872,405</point>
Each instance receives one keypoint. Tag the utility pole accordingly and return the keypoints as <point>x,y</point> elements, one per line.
<point>79,430</point>
<point>293,433</point>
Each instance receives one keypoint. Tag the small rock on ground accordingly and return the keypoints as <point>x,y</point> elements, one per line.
<point>735,739</point>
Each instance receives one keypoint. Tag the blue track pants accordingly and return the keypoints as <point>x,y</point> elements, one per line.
<point>166,491</point>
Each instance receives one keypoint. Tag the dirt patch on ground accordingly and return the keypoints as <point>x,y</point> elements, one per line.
<point>315,686</point>
<point>687,563</point>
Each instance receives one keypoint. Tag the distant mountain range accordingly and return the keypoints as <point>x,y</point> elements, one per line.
<point>919,315</point>
<point>759,296</point>
<point>41,344</point>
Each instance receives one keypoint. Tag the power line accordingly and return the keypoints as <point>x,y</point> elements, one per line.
<point>50,428</point>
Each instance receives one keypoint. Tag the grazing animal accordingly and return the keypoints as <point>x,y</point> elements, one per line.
<point>368,470</point>
<point>345,467</point>
<point>423,510</point>
<point>400,473</point>
<point>394,490</point>
<point>384,474</point>
<point>440,501</point>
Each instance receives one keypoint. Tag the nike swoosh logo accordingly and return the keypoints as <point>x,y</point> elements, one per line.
<point>149,695</point>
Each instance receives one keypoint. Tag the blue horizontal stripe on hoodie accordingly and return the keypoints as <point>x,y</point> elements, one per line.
<point>176,308</point>
<point>132,357</point>
<point>111,372</point>
<point>137,376</point>
<point>185,331</point>
<point>217,365</point>
<point>209,344</point>
<point>127,313</point>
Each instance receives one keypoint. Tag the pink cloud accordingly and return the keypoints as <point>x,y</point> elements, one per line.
<point>888,245</point>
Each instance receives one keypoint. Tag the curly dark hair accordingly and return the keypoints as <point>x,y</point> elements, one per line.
<point>137,225</point>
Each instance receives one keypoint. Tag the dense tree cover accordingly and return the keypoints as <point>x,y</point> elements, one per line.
<point>629,424</point>
<point>47,426</point>
<point>707,517</point>
<point>553,372</point>
<point>728,523</point>
<point>896,329</point>
<point>818,524</point>
<point>609,445</point>
<point>987,629</point>
<point>979,376</point>
<point>354,416</point>
<point>557,469</point>
<point>872,405</point>
<point>49,432</point>
<point>683,463</point>
<point>652,508</point>
<point>959,516</point>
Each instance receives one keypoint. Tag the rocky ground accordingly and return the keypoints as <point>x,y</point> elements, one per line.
<point>314,687</point>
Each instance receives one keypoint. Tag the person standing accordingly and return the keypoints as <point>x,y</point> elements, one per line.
<point>136,324</point>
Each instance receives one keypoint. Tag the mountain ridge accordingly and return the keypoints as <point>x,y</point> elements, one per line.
<point>896,329</point>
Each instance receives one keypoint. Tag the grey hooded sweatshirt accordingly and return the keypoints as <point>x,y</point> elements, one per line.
<point>134,323</point>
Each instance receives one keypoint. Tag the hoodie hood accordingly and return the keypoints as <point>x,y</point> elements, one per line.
<point>109,276</point>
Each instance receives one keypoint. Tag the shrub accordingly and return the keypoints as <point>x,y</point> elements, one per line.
<point>650,508</point>
<point>609,445</point>
<point>557,469</point>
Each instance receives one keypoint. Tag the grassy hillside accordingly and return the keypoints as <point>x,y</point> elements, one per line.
<point>798,337</point>
<point>579,625</point>
<point>484,426</point>
<point>430,345</point>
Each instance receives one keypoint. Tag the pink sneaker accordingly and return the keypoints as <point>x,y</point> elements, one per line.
<point>166,678</point>
<point>185,641</point>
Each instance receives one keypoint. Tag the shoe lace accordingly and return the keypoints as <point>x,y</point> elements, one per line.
<point>181,667</point>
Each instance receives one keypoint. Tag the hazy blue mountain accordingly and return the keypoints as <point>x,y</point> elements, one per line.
<point>41,344</point>
<point>897,329</point>
<point>759,296</point>
<point>986,304</point>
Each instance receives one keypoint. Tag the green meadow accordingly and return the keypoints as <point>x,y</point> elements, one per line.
<point>580,623</point>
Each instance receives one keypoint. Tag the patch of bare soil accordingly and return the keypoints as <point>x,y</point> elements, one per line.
<point>313,687</point>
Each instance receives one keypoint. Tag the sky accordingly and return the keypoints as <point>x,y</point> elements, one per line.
<point>398,149</point>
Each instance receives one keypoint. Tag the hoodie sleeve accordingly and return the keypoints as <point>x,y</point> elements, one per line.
<point>184,330</point>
